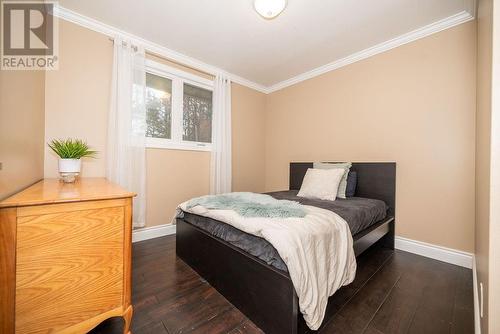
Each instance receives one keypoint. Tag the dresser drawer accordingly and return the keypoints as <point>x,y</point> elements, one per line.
<point>69,268</point>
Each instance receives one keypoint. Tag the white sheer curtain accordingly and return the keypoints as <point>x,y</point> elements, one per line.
<point>220,180</point>
<point>126,151</point>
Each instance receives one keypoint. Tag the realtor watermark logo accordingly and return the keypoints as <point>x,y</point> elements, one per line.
<point>29,35</point>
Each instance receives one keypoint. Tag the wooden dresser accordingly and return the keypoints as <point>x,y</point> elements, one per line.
<point>65,257</point>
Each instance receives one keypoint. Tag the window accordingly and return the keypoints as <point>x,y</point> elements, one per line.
<point>197,114</point>
<point>158,106</point>
<point>178,109</point>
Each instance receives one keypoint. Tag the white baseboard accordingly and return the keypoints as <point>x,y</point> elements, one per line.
<point>477,318</point>
<point>147,233</point>
<point>444,254</point>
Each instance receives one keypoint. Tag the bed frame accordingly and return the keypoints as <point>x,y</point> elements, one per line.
<point>263,293</point>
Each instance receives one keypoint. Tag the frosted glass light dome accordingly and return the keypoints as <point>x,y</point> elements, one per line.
<point>269,9</point>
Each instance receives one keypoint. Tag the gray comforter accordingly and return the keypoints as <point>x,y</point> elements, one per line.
<point>359,213</point>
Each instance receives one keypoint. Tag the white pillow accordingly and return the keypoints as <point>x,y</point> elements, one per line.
<point>343,182</point>
<point>321,183</point>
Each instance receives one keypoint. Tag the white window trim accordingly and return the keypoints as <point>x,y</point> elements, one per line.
<point>179,78</point>
<point>173,145</point>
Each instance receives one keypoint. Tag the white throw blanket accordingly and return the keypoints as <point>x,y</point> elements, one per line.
<point>317,249</point>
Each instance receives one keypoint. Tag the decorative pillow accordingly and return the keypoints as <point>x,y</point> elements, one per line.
<point>321,183</point>
<point>352,181</point>
<point>345,166</point>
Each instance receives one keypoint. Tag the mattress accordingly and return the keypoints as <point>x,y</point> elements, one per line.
<point>359,213</point>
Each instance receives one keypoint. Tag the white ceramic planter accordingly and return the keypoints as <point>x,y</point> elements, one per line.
<point>70,165</point>
<point>69,169</point>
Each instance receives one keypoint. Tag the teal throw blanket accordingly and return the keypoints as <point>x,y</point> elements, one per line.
<point>250,205</point>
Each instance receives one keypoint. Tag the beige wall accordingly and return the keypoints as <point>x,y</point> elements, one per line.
<point>414,105</point>
<point>248,131</point>
<point>494,298</point>
<point>21,129</point>
<point>77,103</point>
<point>77,95</point>
<point>488,163</point>
<point>174,176</point>
<point>483,135</point>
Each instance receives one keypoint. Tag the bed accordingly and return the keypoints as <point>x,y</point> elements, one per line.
<point>259,285</point>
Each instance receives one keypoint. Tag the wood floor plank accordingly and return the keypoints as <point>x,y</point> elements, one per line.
<point>463,311</point>
<point>152,328</point>
<point>393,292</point>
<point>357,314</point>
<point>372,330</point>
<point>367,265</point>
<point>223,323</point>
<point>434,313</point>
<point>247,327</point>
<point>397,312</point>
<point>192,310</point>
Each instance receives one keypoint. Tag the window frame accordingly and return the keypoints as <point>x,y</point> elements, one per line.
<point>179,78</point>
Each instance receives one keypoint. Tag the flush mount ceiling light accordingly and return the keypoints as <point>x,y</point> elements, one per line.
<point>269,9</point>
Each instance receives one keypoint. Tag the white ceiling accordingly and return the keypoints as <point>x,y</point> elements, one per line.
<point>229,34</point>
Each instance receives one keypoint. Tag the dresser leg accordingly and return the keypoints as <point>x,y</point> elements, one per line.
<point>127,316</point>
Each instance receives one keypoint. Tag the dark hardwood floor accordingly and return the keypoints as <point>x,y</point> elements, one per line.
<point>394,292</point>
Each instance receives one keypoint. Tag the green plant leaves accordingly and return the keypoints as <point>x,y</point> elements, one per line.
<point>71,149</point>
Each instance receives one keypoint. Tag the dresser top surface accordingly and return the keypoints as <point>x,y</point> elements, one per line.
<point>50,191</point>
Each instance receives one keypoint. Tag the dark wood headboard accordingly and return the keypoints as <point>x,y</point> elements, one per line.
<point>375,180</point>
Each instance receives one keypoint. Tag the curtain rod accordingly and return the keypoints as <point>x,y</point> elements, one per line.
<point>168,59</point>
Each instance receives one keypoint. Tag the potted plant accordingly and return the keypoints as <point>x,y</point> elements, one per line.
<point>70,152</point>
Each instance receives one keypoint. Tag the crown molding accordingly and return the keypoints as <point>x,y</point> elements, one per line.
<point>466,15</point>
<point>154,48</point>
<point>414,35</point>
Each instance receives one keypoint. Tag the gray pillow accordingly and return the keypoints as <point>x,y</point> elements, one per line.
<point>352,181</point>
<point>342,165</point>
